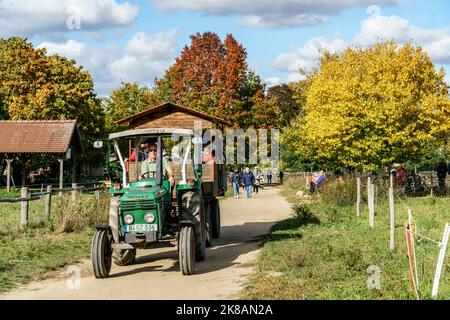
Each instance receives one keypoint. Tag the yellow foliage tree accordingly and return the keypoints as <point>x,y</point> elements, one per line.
<point>369,108</point>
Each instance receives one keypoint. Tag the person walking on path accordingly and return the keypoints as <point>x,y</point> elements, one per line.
<point>235,180</point>
<point>249,180</point>
<point>281,175</point>
<point>269,176</point>
<point>257,184</point>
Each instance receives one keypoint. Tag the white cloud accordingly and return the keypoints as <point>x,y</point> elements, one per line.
<point>436,42</point>
<point>272,81</point>
<point>277,21</point>
<point>144,57</point>
<point>30,17</point>
<point>307,56</point>
<point>269,13</point>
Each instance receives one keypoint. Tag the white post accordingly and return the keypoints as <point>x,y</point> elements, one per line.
<point>413,246</point>
<point>369,202</point>
<point>358,194</point>
<point>437,275</point>
<point>392,213</point>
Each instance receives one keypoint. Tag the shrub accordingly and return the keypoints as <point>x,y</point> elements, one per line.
<point>84,211</point>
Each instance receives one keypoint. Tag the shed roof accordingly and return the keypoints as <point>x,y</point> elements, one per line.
<point>170,105</point>
<point>38,136</point>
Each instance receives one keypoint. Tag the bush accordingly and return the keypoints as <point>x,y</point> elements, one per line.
<point>84,212</point>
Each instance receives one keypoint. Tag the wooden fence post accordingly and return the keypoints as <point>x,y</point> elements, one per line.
<point>24,207</point>
<point>358,194</point>
<point>8,174</point>
<point>48,202</point>
<point>392,212</point>
<point>97,192</point>
<point>74,191</point>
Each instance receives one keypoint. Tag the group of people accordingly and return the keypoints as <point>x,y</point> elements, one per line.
<point>250,182</point>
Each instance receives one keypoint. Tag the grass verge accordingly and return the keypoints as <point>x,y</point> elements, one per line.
<point>29,253</point>
<point>324,251</point>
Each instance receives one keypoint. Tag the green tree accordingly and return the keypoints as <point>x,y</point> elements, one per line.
<point>127,100</point>
<point>369,108</point>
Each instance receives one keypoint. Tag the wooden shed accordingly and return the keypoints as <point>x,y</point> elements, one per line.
<point>23,138</point>
<point>170,115</point>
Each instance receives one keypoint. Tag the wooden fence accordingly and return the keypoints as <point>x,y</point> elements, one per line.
<point>26,197</point>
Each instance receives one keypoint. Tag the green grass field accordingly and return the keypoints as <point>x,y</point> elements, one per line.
<point>324,251</point>
<point>29,253</point>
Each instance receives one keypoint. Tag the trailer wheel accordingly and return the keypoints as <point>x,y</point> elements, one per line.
<point>193,210</point>
<point>208,208</point>
<point>215,219</point>
<point>124,257</point>
<point>101,254</point>
<point>187,250</point>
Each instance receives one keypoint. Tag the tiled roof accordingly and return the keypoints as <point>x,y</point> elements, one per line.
<point>37,136</point>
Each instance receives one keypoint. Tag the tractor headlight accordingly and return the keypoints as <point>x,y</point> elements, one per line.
<point>149,217</point>
<point>128,219</point>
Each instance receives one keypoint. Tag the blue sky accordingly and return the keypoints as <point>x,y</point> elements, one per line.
<point>136,40</point>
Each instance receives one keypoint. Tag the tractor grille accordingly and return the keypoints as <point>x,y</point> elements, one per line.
<point>139,205</point>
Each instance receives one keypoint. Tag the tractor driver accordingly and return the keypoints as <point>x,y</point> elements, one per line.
<point>148,168</point>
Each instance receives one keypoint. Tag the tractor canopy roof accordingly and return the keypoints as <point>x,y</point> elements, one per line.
<point>151,132</point>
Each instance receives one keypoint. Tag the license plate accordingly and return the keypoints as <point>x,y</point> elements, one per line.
<point>141,227</point>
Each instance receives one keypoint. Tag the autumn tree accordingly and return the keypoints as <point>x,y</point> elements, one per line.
<point>128,99</point>
<point>213,77</point>
<point>369,108</point>
<point>36,86</point>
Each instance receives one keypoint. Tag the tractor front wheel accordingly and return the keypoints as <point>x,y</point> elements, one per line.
<point>124,257</point>
<point>101,254</point>
<point>187,250</point>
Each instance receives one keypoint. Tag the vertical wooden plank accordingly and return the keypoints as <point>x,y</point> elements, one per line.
<point>8,174</point>
<point>358,194</point>
<point>24,206</point>
<point>48,202</point>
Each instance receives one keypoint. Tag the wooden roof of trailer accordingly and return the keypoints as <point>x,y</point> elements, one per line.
<point>170,115</point>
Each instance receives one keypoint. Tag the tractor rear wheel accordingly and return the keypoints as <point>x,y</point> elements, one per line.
<point>124,257</point>
<point>215,219</point>
<point>208,213</point>
<point>101,254</point>
<point>187,250</point>
<point>193,210</point>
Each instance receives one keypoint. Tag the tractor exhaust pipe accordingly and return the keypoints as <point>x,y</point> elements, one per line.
<point>159,163</point>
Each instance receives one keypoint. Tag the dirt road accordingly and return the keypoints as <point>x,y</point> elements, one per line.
<point>156,273</point>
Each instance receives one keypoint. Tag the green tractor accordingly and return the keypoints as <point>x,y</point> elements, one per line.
<point>147,210</point>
